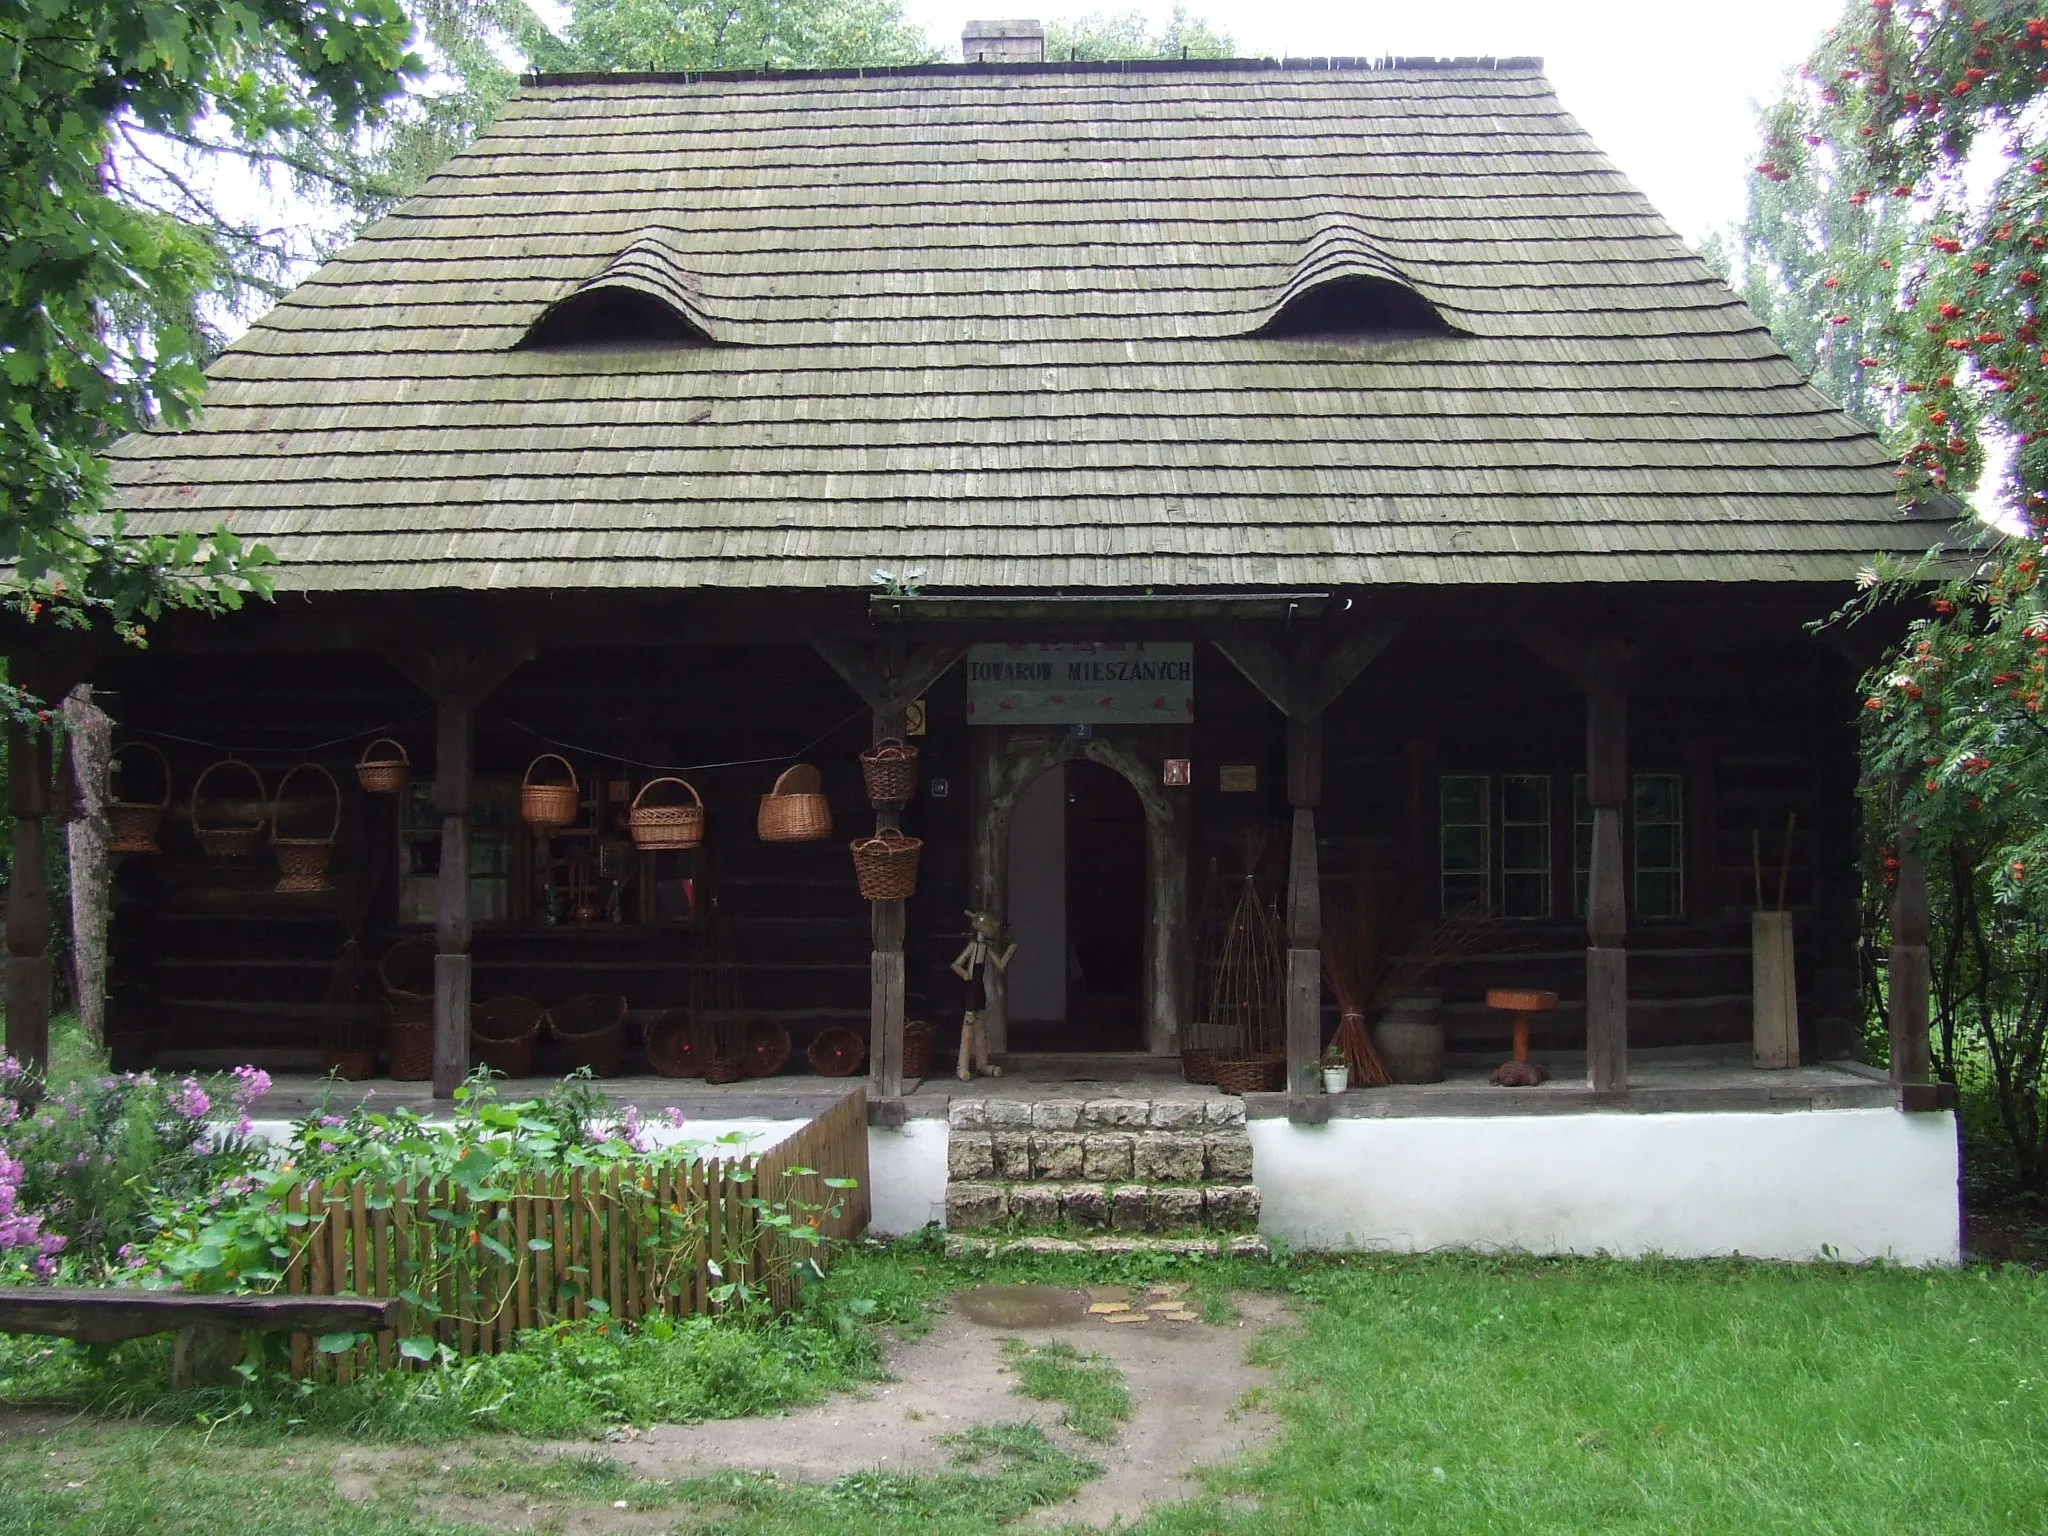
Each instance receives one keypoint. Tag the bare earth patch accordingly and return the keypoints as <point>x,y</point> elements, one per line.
<point>1188,1383</point>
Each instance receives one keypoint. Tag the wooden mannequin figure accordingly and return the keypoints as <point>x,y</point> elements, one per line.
<point>971,965</point>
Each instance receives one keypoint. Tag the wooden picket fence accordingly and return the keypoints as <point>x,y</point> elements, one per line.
<point>612,1242</point>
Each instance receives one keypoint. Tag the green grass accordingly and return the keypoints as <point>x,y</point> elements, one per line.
<point>1090,1388</point>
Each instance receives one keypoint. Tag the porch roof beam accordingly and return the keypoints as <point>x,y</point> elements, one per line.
<point>885,608</point>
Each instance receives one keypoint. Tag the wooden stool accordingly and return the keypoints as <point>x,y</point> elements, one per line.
<point>1521,1002</point>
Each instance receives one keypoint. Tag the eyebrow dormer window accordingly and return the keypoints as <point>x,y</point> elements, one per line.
<point>643,295</point>
<point>1356,306</point>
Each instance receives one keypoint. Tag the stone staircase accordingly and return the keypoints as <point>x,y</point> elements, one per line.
<point>1067,1169</point>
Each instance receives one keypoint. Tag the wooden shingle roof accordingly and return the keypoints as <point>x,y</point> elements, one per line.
<point>994,322</point>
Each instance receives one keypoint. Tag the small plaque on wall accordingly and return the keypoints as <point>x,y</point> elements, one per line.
<point>1238,778</point>
<point>1179,771</point>
<point>913,718</point>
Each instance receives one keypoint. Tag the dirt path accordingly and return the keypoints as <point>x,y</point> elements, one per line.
<point>1187,1382</point>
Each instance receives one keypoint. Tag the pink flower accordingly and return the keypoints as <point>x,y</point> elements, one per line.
<point>190,1100</point>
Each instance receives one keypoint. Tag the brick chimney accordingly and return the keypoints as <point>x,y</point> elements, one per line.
<point>1003,42</point>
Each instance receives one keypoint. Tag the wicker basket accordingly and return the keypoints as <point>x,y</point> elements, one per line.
<point>889,768</point>
<point>917,1049</point>
<point>384,775</point>
<point>232,840</point>
<point>677,1044</point>
<point>721,1069</point>
<point>1252,1074</point>
<point>407,971</point>
<point>764,1046</point>
<point>592,1032</point>
<point>411,1043</point>
<point>549,805</point>
<point>134,824</point>
<point>657,827</point>
<point>302,861</point>
<point>504,1034</point>
<point>1198,1064</point>
<point>836,1053</point>
<point>795,810</point>
<point>885,866</point>
<point>351,1066</point>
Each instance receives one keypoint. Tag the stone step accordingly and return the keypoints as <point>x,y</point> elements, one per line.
<point>1121,1207</point>
<point>1240,1247</point>
<point>1050,1113</point>
<point>1201,1154</point>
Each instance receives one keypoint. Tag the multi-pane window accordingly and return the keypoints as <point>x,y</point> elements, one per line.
<point>1464,842</point>
<point>1659,845</point>
<point>1525,845</point>
<point>1657,821</point>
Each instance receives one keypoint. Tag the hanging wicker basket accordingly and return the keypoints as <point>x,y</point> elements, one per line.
<point>889,769</point>
<point>1252,1074</point>
<point>504,1034</point>
<point>302,861</point>
<point>917,1049</point>
<point>134,824</point>
<point>795,810</point>
<point>591,1031</point>
<point>220,837</point>
<point>382,773</point>
<point>659,827</point>
<point>545,804</point>
<point>677,1044</point>
<point>764,1046</point>
<point>885,866</point>
<point>836,1053</point>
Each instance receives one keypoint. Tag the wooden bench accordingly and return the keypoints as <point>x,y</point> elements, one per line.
<point>209,1328</point>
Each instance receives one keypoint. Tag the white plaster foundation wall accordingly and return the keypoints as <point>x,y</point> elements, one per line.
<point>1857,1183</point>
<point>907,1167</point>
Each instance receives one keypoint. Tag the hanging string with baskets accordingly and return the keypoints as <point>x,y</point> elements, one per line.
<point>133,824</point>
<point>229,828</point>
<point>1247,1006</point>
<point>302,862</point>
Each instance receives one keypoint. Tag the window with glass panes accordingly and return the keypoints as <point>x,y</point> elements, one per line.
<point>1464,842</point>
<point>1659,845</point>
<point>1525,845</point>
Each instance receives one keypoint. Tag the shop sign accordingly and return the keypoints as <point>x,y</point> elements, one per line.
<point>1094,682</point>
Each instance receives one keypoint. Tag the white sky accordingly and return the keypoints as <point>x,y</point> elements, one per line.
<point>1665,88</point>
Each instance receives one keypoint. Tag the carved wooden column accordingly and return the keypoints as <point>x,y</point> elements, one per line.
<point>28,896</point>
<point>1606,899</point>
<point>1909,979</point>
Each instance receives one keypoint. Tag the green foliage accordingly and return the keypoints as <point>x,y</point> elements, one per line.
<point>1104,35</point>
<point>100,286</point>
<point>1090,1386</point>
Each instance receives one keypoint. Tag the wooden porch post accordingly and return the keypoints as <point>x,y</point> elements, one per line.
<point>1606,902</point>
<point>28,896</point>
<point>1911,973</point>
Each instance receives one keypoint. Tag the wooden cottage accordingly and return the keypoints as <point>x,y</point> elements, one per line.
<point>1293,468</point>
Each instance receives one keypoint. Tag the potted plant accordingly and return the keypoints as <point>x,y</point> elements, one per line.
<point>1336,1069</point>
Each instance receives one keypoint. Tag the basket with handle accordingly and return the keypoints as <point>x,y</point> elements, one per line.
<point>677,1044</point>
<point>219,837</point>
<point>795,810</point>
<point>917,1049</point>
<point>836,1052</point>
<point>889,769</point>
<point>384,774</point>
<point>545,803</point>
<point>657,827</point>
<point>134,824</point>
<point>591,1031</point>
<point>885,865</point>
<point>504,1033</point>
<point>302,861</point>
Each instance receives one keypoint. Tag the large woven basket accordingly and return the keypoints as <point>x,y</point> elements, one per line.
<point>134,824</point>
<point>917,1049</point>
<point>889,769</point>
<point>885,866</point>
<point>302,861</point>
<point>677,1044</point>
<point>384,774</point>
<point>504,1034</point>
<point>1252,1074</point>
<point>655,827</point>
<point>407,971</point>
<point>795,810</point>
<point>411,1044</point>
<point>546,804</point>
<point>836,1052</point>
<point>591,1031</point>
<point>221,837</point>
<point>764,1046</point>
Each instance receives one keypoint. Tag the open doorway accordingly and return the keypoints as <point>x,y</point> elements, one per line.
<point>1077,912</point>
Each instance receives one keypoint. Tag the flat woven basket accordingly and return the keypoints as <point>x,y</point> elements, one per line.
<point>889,769</point>
<point>764,1046</point>
<point>591,1030</point>
<point>221,839</point>
<point>546,804</point>
<point>885,866</point>
<point>504,1034</point>
<point>656,827</point>
<point>795,810</point>
<point>134,824</point>
<point>677,1044</point>
<point>836,1052</point>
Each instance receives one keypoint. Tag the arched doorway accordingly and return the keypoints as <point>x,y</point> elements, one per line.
<point>1078,911</point>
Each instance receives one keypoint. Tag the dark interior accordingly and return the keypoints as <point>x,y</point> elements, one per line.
<point>610,315</point>
<point>1357,306</point>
